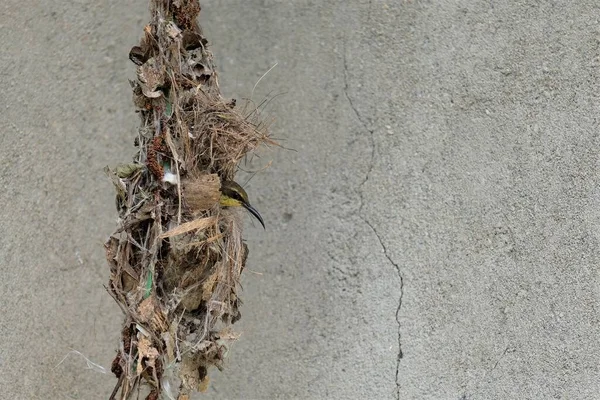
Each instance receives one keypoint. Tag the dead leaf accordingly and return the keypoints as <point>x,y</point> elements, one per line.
<point>151,77</point>
<point>146,352</point>
<point>201,223</point>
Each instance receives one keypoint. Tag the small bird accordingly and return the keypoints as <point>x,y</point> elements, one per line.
<point>233,195</point>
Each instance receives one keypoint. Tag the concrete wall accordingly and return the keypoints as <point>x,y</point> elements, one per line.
<point>440,200</point>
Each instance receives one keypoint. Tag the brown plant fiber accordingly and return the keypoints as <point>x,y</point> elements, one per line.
<point>176,256</point>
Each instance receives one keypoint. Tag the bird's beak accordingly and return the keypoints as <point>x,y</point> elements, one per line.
<point>254,212</point>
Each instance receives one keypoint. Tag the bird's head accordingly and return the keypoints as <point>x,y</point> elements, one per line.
<point>233,195</point>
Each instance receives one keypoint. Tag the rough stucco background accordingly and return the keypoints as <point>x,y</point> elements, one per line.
<point>453,144</point>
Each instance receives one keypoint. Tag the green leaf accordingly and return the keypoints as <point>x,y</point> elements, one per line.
<point>169,109</point>
<point>127,170</point>
<point>148,285</point>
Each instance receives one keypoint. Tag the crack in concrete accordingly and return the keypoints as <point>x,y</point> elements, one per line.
<point>368,223</point>
<point>385,252</point>
<point>364,124</point>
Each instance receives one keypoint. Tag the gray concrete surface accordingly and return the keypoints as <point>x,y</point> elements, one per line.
<point>443,196</point>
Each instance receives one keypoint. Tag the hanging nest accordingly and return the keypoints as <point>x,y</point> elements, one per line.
<point>177,255</point>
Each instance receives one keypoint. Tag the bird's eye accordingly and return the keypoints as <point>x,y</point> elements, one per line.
<point>237,196</point>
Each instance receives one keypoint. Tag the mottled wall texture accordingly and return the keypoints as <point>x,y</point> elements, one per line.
<point>432,221</point>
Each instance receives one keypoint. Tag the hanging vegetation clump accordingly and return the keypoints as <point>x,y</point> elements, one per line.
<point>177,254</point>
